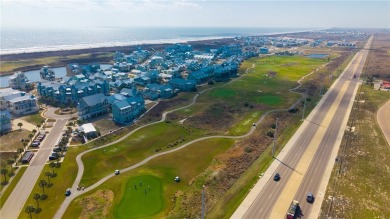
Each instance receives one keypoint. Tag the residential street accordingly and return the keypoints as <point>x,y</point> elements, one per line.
<point>15,202</point>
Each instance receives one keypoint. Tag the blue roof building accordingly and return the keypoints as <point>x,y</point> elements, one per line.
<point>126,111</point>
<point>5,121</point>
<point>92,106</point>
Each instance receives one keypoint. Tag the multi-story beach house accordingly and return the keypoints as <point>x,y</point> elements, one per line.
<point>127,110</point>
<point>92,106</point>
<point>19,81</point>
<point>17,102</point>
<point>183,84</point>
<point>47,74</point>
<point>5,121</point>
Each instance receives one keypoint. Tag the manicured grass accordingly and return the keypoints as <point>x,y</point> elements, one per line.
<point>186,163</point>
<point>11,186</point>
<point>35,119</point>
<point>272,100</point>
<point>66,175</point>
<point>143,197</point>
<point>12,140</point>
<point>137,147</point>
<point>223,92</point>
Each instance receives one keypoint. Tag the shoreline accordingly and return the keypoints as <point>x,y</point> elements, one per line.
<point>62,54</point>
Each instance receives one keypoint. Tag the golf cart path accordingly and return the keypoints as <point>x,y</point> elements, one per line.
<point>76,193</point>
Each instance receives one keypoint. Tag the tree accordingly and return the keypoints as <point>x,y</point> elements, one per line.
<point>43,184</point>
<point>10,162</point>
<point>48,174</point>
<point>29,210</point>
<point>4,172</point>
<point>37,196</point>
<point>34,131</point>
<point>52,165</point>
<point>20,125</point>
<point>25,144</point>
<point>38,126</point>
<point>20,150</point>
<point>30,136</point>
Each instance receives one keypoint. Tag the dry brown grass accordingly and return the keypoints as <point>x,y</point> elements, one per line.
<point>378,64</point>
<point>97,205</point>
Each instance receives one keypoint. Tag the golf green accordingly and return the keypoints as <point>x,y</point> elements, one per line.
<point>142,198</point>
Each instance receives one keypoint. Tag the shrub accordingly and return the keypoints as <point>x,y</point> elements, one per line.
<point>270,134</point>
<point>248,149</point>
<point>293,110</point>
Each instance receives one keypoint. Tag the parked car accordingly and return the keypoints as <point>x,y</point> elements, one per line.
<point>57,149</point>
<point>310,197</point>
<point>35,144</point>
<point>53,156</point>
<point>277,177</point>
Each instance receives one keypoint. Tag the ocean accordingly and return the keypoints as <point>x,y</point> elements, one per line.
<point>18,40</point>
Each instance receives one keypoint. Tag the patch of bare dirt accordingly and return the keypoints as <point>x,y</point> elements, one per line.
<point>271,74</point>
<point>97,205</point>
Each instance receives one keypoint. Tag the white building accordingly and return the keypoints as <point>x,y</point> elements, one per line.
<point>17,102</point>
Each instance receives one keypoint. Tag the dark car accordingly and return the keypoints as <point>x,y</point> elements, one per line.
<point>310,197</point>
<point>277,177</point>
<point>57,149</point>
<point>68,192</point>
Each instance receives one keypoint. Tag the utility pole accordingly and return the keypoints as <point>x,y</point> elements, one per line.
<point>304,106</point>
<point>203,201</point>
<point>273,147</point>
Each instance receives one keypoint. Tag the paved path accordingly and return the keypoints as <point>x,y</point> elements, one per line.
<point>76,193</point>
<point>15,202</point>
<point>383,118</point>
<point>306,162</point>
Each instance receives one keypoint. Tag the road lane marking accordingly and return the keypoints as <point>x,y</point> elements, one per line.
<point>289,191</point>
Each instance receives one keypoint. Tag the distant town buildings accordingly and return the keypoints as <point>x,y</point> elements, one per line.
<point>47,74</point>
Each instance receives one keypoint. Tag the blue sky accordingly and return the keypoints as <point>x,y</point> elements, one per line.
<point>202,13</point>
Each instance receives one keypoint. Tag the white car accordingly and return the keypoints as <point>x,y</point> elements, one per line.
<point>117,172</point>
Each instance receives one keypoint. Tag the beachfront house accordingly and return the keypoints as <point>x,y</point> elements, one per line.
<point>263,50</point>
<point>126,111</point>
<point>92,106</point>
<point>19,81</point>
<point>5,121</point>
<point>17,102</point>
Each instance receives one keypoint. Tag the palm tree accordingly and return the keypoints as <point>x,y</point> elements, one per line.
<point>37,196</point>
<point>52,165</point>
<point>48,174</point>
<point>20,125</point>
<point>34,131</point>
<point>30,136</point>
<point>24,144</point>
<point>43,184</point>
<point>29,210</point>
<point>38,126</point>
<point>4,172</point>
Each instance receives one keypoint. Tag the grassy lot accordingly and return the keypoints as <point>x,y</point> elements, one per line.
<point>137,147</point>
<point>66,175</point>
<point>105,125</point>
<point>5,194</point>
<point>361,190</point>
<point>35,119</point>
<point>160,171</point>
<point>12,140</point>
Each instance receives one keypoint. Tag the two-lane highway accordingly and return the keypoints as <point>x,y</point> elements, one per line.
<point>307,160</point>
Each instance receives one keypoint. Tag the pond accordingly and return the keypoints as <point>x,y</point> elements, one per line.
<point>34,76</point>
<point>319,56</point>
